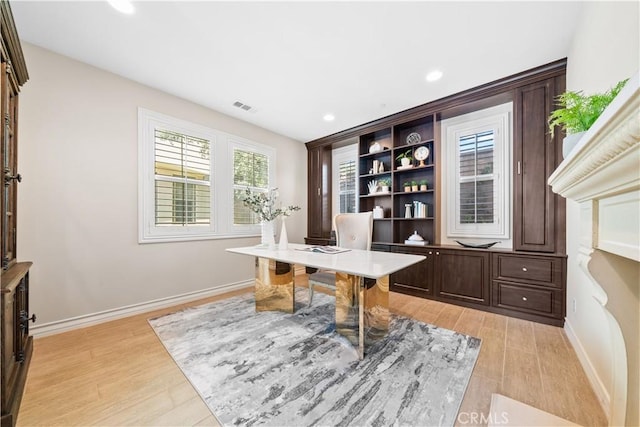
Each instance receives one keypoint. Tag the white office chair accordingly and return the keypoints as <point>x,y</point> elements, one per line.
<point>353,231</point>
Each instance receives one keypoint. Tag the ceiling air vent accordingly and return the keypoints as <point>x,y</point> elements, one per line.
<point>245,107</point>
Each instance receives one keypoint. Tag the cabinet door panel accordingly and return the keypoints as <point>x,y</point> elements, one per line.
<point>416,279</point>
<point>463,275</point>
<point>534,202</point>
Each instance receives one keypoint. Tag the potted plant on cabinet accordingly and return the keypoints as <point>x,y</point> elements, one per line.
<point>423,185</point>
<point>414,186</point>
<point>407,187</point>
<point>405,158</point>
<point>576,113</point>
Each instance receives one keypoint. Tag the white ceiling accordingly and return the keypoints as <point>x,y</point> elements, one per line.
<point>293,62</point>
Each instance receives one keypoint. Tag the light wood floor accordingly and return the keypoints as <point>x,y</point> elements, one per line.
<point>118,373</point>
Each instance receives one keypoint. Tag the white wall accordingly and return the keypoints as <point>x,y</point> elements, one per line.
<point>77,206</point>
<point>605,50</point>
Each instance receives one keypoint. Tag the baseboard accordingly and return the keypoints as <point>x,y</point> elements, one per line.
<point>596,383</point>
<point>65,325</point>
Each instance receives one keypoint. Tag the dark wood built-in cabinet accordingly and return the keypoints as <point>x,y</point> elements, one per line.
<point>527,282</point>
<point>16,342</point>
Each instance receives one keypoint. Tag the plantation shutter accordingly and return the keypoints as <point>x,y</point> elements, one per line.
<point>347,190</point>
<point>182,179</point>
<point>250,169</point>
<point>476,178</point>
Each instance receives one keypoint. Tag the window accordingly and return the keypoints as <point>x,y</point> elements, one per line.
<point>250,169</point>
<point>476,154</point>
<point>345,172</point>
<point>191,177</point>
<point>182,179</point>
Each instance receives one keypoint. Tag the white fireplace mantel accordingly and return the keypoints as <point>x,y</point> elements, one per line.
<point>602,174</point>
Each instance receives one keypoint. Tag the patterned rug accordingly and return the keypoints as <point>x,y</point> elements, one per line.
<point>279,369</point>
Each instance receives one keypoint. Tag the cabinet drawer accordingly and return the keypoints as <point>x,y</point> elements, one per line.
<point>547,302</point>
<point>543,270</point>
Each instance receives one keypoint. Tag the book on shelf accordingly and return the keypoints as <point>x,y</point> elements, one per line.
<point>324,249</point>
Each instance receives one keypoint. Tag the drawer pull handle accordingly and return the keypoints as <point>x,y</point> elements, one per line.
<point>430,253</point>
<point>437,253</point>
<point>524,268</point>
<point>524,298</point>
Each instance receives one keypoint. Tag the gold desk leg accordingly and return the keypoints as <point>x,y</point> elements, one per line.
<point>275,290</point>
<point>362,309</point>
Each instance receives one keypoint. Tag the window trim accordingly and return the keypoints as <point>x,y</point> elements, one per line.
<point>499,119</point>
<point>221,178</point>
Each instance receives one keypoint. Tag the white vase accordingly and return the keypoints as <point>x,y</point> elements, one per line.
<point>284,239</point>
<point>569,142</point>
<point>268,239</point>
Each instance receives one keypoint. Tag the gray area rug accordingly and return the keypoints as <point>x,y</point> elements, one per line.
<point>279,369</point>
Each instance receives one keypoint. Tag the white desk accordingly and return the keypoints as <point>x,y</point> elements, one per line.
<point>362,285</point>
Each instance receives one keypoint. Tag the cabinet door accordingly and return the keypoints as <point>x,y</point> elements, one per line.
<point>535,155</point>
<point>462,275</point>
<point>416,279</point>
<point>319,192</point>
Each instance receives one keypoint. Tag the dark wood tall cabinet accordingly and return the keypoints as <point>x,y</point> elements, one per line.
<point>319,194</point>
<point>536,208</point>
<point>16,342</point>
<point>527,281</point>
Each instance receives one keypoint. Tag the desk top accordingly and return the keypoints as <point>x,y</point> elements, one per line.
<point>371,264</point>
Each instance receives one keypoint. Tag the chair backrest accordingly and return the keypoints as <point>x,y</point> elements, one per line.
<point>354,230</point>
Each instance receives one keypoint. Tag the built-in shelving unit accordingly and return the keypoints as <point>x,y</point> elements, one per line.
<point>385,147</point>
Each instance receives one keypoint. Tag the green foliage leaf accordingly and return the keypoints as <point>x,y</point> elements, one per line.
<point>577,112</point>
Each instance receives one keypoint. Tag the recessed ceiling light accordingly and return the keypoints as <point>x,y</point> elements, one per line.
<point>123,6</point>
<point>329,117</point>
<point>434,75</point>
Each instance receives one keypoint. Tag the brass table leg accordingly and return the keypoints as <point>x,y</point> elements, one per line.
<point>362,309</point>
<point>275,290</point>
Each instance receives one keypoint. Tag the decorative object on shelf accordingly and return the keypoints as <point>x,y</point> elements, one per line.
<point>283,244</point>
<point>407,187</point>
<point>416,239</point>
<point>413,138</point>
<point>381,167</point>
<point>407,210</point>
<point>419,209</point>
<point>375,147</point>
<point>576,113</point>
<point>414,186</point>
<point>373,186</point>
<point>376,166</point>
<point>384,185</point>
<point>263,205</point>
<point>378,212</point>
<point>476,245</point>
<point>423,185</point>
<point>405,159</point>
<point>421,154</point>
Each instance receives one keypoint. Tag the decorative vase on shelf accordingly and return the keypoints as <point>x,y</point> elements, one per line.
<point>268,240</point>
<point>283,244</point>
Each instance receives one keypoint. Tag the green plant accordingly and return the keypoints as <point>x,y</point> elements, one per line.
<point>407,184</point>
<point>414,183</point>
<point>577,112</point>
<point>423,182</point>
<point>263,204</point>
<point>385,182</point>
<point>406,154</point>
